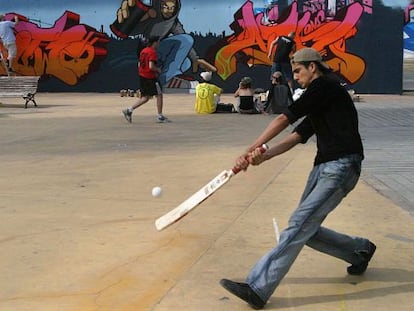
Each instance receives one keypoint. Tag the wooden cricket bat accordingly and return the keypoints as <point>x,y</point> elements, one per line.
<point>192,202</point>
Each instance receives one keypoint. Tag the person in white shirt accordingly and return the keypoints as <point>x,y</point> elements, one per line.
<point>8,39</point>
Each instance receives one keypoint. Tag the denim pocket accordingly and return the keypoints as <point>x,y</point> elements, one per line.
<point>344,172</point>
<point>337,168</point>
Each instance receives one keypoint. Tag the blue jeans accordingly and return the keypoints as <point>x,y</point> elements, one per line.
<point>327,185</point>
<point>173,56</point>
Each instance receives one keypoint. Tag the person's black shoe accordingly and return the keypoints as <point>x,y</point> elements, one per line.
<point>360,269</point>
<point>127,115</point>
<point>244,292</point>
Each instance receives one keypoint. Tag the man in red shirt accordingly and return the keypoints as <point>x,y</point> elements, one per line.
<point>148,72</point>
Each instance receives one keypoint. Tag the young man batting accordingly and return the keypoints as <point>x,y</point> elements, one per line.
<point>329,114</point>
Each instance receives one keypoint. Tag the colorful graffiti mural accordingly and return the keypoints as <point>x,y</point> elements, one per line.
<point>160,18</point>
<point>252,36</point>
<point>347,33</point>
<point>67,51</point>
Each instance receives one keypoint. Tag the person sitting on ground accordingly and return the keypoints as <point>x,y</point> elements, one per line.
<point>208,97</point>
<point>279,96</point>
<point>245,93</point>
<point>207,94</point>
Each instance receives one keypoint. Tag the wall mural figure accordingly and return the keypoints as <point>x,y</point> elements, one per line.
<point>409,31</point>
<point>252,36</point>
<point>72,52</point>
<point>160,18</point>
<point>68,51</point>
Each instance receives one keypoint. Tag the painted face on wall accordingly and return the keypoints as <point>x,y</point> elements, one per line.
<point>168,8</point>
<point>70,61</point>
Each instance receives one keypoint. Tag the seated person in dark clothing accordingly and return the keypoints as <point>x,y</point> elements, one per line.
<point>279,96</point>
<point>245,93</point>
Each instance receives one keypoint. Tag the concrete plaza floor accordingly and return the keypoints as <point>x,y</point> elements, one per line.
<point>77,213</point>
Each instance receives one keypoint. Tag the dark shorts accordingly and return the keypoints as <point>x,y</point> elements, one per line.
<point>247,105</point>
<point>284,68</point>
<point>149,87</point>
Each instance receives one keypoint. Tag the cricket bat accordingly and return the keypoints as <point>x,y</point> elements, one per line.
<point>192,202</point>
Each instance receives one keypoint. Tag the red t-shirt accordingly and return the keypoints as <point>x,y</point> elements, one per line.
<point>147,55</point>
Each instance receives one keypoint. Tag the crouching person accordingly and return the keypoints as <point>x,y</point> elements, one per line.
<point>208,96</point>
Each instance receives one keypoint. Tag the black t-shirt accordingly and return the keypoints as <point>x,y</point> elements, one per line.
<point>284,47</point>
<point>279,98</point>
<point>331,115</point>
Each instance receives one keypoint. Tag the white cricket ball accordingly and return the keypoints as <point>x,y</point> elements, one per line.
<point>156,191</point>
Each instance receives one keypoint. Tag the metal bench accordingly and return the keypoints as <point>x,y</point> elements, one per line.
<point>19,86</point>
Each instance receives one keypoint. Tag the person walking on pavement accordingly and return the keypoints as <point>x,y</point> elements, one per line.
<point>8,39</point>
<point>148,72</point>
<point>285,45</point>
<point>330,114</point>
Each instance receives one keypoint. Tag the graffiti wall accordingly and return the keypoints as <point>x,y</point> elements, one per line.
<point>409,31</point>
<point>93,46</point>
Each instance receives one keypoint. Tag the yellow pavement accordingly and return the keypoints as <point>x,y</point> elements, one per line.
<point>77,216</point>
